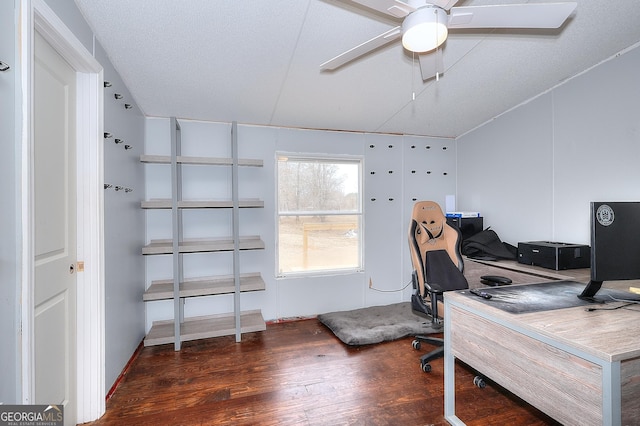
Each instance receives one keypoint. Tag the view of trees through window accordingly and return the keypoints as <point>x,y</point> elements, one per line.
<point>319,214</point>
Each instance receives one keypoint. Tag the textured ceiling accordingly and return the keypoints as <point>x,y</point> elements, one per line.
<point>257,62</point>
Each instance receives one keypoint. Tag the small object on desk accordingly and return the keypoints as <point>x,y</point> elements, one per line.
<point>494,280</point>
<point>635,290</point>
<point>463,214</point>
<point>480,293</point>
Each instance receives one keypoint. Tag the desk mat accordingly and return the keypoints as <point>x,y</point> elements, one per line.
<point>545,296</point>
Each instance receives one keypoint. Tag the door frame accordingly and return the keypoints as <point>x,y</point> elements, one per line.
<point>36,15</point>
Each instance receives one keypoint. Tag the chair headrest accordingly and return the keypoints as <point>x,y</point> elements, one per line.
<point>429,231</point>
<point>430,220</point>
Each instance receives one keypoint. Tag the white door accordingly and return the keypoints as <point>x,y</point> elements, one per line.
<point>55,229</point>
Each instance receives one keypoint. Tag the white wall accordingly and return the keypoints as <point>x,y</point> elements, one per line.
<point>533,171</point>
<point>123,224</point>
<point>397,171</point>
<point>9,223</point>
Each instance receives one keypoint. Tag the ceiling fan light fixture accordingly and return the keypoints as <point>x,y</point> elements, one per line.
<point>425,29</point>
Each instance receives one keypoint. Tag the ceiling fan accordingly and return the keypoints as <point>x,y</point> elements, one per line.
<point>426,25</point>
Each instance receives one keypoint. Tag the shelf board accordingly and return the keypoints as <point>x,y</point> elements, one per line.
<point>203,245</point>
<point>204,327</point>
<point>202,204</point>
<point>210,161</point>
<point>204,286</point>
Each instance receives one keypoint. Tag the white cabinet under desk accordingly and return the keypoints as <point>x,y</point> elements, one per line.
<point>580,367</point>
<point>183,285</point>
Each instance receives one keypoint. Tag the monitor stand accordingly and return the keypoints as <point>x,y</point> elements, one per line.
<point>589,292</point>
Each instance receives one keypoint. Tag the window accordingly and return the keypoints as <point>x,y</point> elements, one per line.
<point>319,214</point>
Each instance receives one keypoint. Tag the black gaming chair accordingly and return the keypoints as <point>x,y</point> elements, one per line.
<point>437,267</point>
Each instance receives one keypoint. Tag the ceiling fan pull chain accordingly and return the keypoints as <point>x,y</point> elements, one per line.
<point>413,67</point>
<point>437,46</point>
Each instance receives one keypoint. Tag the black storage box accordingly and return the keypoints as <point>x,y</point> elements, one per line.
<point>468,226</point>
<point>553,255</point>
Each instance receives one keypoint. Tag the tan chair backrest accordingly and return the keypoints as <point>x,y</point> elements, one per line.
<point>429,231</point>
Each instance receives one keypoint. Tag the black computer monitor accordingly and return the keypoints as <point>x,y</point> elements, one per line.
<point>615,244</point>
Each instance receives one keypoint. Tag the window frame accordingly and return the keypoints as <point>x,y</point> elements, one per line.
<point>359,212</point>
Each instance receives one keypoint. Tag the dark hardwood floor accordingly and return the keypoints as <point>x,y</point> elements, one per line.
<point>299,373</point>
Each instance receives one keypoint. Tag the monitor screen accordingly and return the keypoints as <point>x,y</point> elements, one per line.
<point>615,243</point>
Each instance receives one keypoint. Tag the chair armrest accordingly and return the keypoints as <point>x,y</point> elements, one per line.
<point>434,288</point>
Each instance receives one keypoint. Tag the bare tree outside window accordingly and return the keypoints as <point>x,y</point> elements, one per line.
<point>319,214</point>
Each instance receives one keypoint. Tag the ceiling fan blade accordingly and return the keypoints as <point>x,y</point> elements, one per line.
<point>538,15</point>
<point>443,4</point>
<point>361,49</point>
<point>431,64</point>
<point>396,8</point>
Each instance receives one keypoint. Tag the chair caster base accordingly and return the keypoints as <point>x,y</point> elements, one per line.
<point>479,382</point>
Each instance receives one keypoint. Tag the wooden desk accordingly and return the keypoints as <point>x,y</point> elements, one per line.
<point>540,274</point>
<point>580,275</point>
<point>579,367</point>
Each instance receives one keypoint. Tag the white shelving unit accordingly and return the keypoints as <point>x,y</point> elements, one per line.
<point>177,288</point>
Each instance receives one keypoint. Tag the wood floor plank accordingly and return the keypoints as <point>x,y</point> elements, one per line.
<point>299,373</point>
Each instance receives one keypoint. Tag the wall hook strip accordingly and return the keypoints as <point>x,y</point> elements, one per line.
<point>117,188</point>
